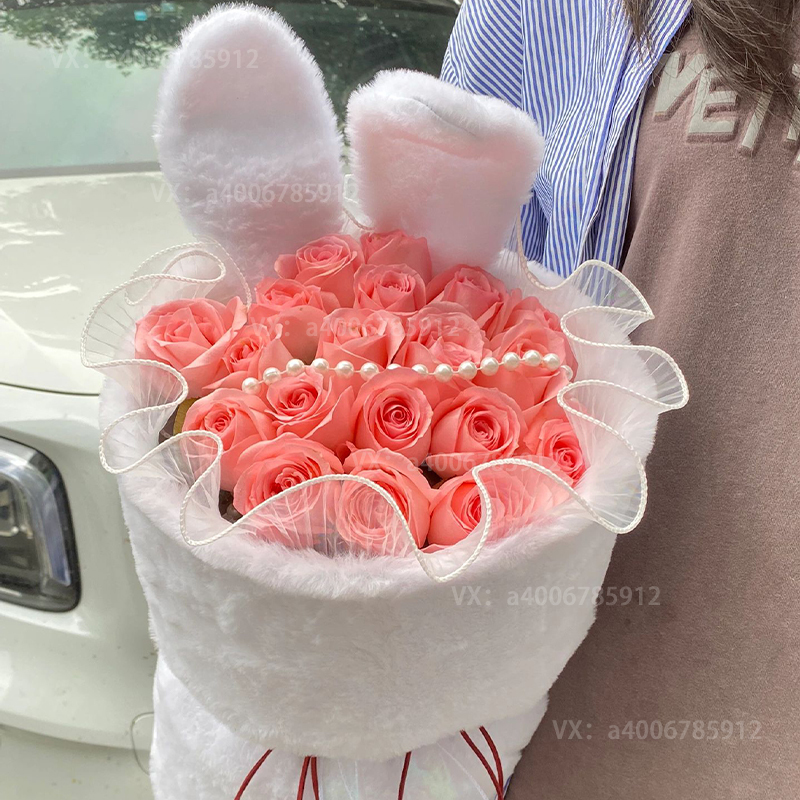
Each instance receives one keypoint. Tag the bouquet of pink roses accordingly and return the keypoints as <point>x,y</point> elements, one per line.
<point>351,433</point>
<point>357,362</point>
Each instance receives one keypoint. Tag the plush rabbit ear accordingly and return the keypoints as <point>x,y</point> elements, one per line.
<point>247,138</point>
<point>442,163</point>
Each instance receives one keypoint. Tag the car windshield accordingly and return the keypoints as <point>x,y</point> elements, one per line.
<point>78,80</point>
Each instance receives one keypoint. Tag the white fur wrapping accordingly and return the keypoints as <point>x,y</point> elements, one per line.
<point>442,163</point>
<point>368,658</point>
<point>196,756</point>
<point>247,137</point>
<point>357,658</point>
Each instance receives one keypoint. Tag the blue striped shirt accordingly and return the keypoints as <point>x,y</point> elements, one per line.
<point>576,68</point>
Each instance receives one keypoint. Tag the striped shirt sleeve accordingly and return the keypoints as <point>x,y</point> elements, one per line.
<point>575,67</point>
<point>486,49</point>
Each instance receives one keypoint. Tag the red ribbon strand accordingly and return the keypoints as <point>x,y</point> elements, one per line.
<point>310,762</point>
<point>497,762</point>
<point>498,786</point>
<point>301,789</point>
<point>314,778</point>
<point>402,792</point>
<point>251,775</point>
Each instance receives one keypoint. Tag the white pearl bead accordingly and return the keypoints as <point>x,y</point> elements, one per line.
<point>250,386</point>
<point>421,369</point>
<point>345,369</point>
<point>394,366</point>
<point>568,372</point>
<point>271,375</point>
<point>511,361</point>
<point>369,370</point>
<point>490,365</point>
<point>443,372</point>
<point>467,370</point>
<point>320,365</point>
<point>551,361</point>
<point>294,366</point>
<point>532,358</point>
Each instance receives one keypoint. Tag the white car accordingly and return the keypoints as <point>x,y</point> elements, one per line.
<point>81,205</point>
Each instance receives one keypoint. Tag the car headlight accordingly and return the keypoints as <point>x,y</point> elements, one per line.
<point>38,563</point>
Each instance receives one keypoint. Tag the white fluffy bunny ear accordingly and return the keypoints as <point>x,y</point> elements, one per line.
<point>439,162</point>
<point>247,137</point>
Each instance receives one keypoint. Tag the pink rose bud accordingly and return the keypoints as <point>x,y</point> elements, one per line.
<point>476,426</point>
<point>529,386</point>
<point>366,521</point>
<point>442,333</point>
<point>190,336</point>
<point>297,329</point>
<point>481,295</point>
<point>394,411</point>
<point>550,434</point>
<point>269,468</point>
<point>240,420</point>
<point>399,288</point>
<point>329,263</point>
<point>529,308</point>
<point>397,247</point>
<point>360,336</point>
<point>270,343</point>
<point>279,294</point>
<point>517,494</point>
<point>312,406</point>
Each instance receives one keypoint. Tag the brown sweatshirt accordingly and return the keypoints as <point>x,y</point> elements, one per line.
<point>697,697</point>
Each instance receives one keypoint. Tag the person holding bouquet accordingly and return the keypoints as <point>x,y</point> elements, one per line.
<point>671,150</point>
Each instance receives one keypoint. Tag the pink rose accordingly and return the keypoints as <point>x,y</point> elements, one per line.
<point>298,329</point>
<point>530,334</point>
<point>252,350</point>
<point>528,386</point>
<point>475,426</point>
<point>551,435</point>
<point>239,419</point>
<point>531,411</point>
<point>365,519</point>
<point>271,343</point>
<point>280,294</point>
<point>517,495</point>
<point>397,247</point>
<point>442,333</point>
<point>359,336</point>
<point>269,468</point>
<point>399,288</point>
<point>483,296</point>
<point>529,308</point>
<point>330,263</point>
<point>313,407</point>
<point>394,411</point>
<point>191,336</point>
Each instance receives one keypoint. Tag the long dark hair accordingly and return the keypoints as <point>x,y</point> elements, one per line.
<point>750,42</point>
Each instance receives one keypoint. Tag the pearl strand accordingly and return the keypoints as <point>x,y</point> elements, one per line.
<point>468,370</point>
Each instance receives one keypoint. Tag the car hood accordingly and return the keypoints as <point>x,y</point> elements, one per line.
<point>64,242</point>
